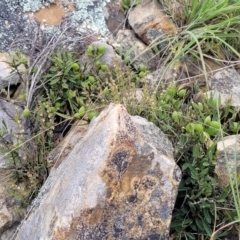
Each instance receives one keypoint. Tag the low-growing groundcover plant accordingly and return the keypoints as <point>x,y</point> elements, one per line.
<point>193,127</point>
<point>68,90</point>
<point>204,30</point>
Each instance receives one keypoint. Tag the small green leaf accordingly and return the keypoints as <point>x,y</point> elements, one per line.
<point>207,215</point>
<point>199,224</point>
<point>64,85</point>
<point>55,80</point>
<point>207,228</point>
<point>196,151</point>
<point>190,235</point>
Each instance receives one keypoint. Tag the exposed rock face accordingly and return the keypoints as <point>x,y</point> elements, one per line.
<point>54,13</point>
<point>7,75</point>
<point>8,127</point>
<point>149,21</point>
<point>64,148</point>
<point>119,182</point>
<point>9,216</point>
<point>109,55</point>
<point>11,209</point>
<point>129,45</point>
<point>229,150</point>
<point>17,23</point>
<point>226,85</point>
<point>114,16</point>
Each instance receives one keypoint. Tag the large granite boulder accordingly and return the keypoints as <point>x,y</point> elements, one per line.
<point>120,181</point>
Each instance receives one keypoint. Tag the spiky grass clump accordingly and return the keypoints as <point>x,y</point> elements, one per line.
<point>205,30</point>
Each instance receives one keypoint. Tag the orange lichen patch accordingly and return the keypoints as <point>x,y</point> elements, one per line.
<point>53,14</point>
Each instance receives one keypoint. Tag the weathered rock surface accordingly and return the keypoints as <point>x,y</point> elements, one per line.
<point>7,74</point>
<point>149,21</point>
<point>228,161</point>
<point>11,210</point>
<point>127,44</point>
<point>109,56</point>
<point>64,148</point>
<point>119,182</point>
<point>17,24</point>
<point>9,216</point>
<point>226,85</point>
<point>13,23</point>
<point>114,16</point>
<point>54,13</point>
<point>8,126</point>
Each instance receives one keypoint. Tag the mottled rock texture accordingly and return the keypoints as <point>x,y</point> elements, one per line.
<point>226,85</point>
<point>19,30</point>
<point>114,16</point>
<point>150,22</point>
<point>228,159</point>
<point>119,182</point>
<point>128,45</point>
<point>7,74</point>
<point>8,128</point>
<point>10,208</point>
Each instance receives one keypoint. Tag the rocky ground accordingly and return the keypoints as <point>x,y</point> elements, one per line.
<point>34,27</point>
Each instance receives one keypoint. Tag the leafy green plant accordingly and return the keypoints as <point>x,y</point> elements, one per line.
<point>68,85</point>
<point>194,129</point>
<point>69,90</point>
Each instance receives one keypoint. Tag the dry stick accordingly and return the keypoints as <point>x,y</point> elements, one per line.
<point>43,58</point>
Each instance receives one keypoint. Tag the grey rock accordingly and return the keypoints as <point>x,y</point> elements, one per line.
<point>10,215</point>
<point>19,30</point>
<point>226,85</point>
<point>15,25</point>
<point>119,182</point>
<point>34,5</point>
<point>5,217</point>
<point>127,44</point>
<point>90,15</point>
<point>114,16</point>
<point>110,57</point>
<point>9,233</point>
<point>8,127</point>
<point>8,75</point>
<point>61,151</point>
<point>228,160</point>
